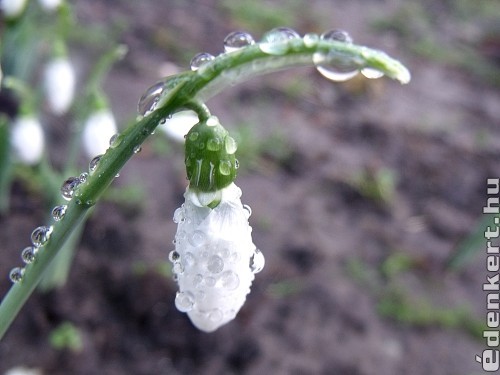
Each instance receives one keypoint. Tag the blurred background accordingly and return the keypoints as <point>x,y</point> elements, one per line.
<point>367,195</point>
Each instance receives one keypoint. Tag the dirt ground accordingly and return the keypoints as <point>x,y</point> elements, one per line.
<point>360,194</point>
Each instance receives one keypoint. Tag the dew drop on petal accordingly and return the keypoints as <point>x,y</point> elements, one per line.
<point>248,210</point>
<point>210,281</point>
<point>274,41</point>
<point>28,255</point>
<point>197,238</point>
<point>41,235</point>
<point>213,144</point>
<point>371,73</point>
<point>215,315</point>
<point>178,215</point>
<point>58,212</point>
<point>16,274</point>
<point>230,280</point>
<point>184,301</point>
<point>178,268</point>
<point>193,136</point>
<point>236,40</point>
<point>215,264</point>
<point>69,186</point>
<point>257,261</point>
<point>225,167</point>
<point>335,65</point>
<point>189,259</point>
<point>94,163</point>
<point>230,144</point>
<point>174,256</point>
<point>200,59</point>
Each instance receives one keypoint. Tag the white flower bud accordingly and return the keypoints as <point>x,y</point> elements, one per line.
<point>59,84</point>
<point>97,130</point>
<point>50,5</point>
<point>12,8</point>
<point>27,140</point>
<point>214,258</point>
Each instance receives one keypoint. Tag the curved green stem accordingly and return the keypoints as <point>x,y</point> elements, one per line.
<point>186,90</point>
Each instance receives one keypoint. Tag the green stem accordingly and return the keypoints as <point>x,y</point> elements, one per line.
<point>189,91</point>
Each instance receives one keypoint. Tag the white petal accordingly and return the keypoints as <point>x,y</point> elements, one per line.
<point>50,5</point>
<point>97,131</point>
<point>212,262</point>
<point>27,140</point>
<point>12,8</point>
<point>59,85</point>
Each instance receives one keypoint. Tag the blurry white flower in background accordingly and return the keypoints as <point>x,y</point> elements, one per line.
<point>50,5</point>
<point>27,139</point>
<point>179,125</point>
<point>59,84</point>
<point>12,8</point>
<point>97,130</point>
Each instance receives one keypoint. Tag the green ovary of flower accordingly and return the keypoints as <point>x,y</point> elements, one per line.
<point>210,161</point>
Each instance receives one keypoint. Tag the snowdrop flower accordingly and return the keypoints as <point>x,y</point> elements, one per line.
<point>214,260</point>
<point>177,126</point>
<point>27,139</point>
<point>12,8</point>
<point>98,129</point>
<point>59,84</point>
<point>50,5</point>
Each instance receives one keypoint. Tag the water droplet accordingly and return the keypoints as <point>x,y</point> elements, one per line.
<point>150,98</point>
<point>236,40</point>
<point>58,212</point>
<point>115,140</point>
<point>235,257</point>
<point>335,65</point>
<point>201,145</point>
<point>137,149</point>
<point>178,215</point>
<point>193,136</point>
<point>310,40</point>
<point>225,167</point>
<point>200,295</point>
<point>68,187</point>
<point>198,238</point>
<point>212,121</point>
<point>248,210</point>
<point>274,41</point>
<point>236,164</point>
<point>40,236</point>
<point>184,301</point>
<point>215,264</point>
<point>16,274</point>
<point>230,144</point>
<point>215,315</point>
<point>174,256</point>
<point>197,280</point>
<point>178,268</point>
<point>94,163</point>
<point>213,144</point>
<point>230,280</point>
<point>189,259</point>
<point>257,261</point>
<point>372,73</point>
<point>210,281</point>
<point>28,255</point>
<point>83,177</point>
<point>200,59</point>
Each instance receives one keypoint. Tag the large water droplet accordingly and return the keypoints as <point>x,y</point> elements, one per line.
<point>94,163</point>
<point>230,144</point>
<point>28,255</point>
<point>215,264</point>
<point>230,280</point>
<point>335,65</point>
<point>372,73</point>
<point>178,268</point>
<point>198,238</point>
<point>274,41</point>
<point>16,274</point>
<point>184,301</point>
<point>174,256</point>
<point>115,140</point>
<point>257,261</point>
<point>236,40</point>
<point>58,212</point>
<point>200,59</point>
<point>69,186</point>
<point>149,100</point>
<point>225,167</point>
<point>310,40</point>
<point>178,215</point>
<point>215,315</point>
<point>40,236</point>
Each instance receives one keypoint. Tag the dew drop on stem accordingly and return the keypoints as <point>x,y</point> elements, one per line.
<point>58,212</point>
<point>257,261</point>
<point>200,59</point>
<point>137,149</point>
<point>94,163</point>
<point>69,186</point>
<point>236,40</point>
<point>28,255</point>
<point>40,236</point>
<point>274,41</point>
<point>150,98</point>
<point>335,65</point>
<point>16,274</point>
